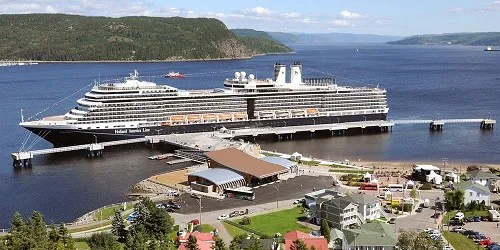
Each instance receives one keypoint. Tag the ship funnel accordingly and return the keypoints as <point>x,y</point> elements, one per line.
<point>279,73</point>
<point>296,73</point>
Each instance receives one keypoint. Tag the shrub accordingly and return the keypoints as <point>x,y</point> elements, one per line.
<point>245,221</point>
<point>426,186</point>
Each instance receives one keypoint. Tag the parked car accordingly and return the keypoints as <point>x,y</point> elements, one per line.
<point>447,248</point>
<point>223,217</point>
<point>469,232</point>
<point>459,216</point>
<point>160,206</point>
<point>436,237</point>
<point>485,242</point>
<point>392,221</point>
<point>458,229</point>
<point>419,210</point>
<point>234,214</point>
<point>469,219</point>
<point>172,192</point>
<point>476,218</point>
<point>174,206</point>
<point>454,222</point>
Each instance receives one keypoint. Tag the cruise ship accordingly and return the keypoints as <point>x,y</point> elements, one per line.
<point>135,108</point>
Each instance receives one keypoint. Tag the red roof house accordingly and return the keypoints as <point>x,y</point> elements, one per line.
<point>206,237</point>
<point>201,244</point>
<point>319,242</point>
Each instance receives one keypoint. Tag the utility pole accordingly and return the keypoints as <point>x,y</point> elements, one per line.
<point>199,201</point>
<point>277,186</point>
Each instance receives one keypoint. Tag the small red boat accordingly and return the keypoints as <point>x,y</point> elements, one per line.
<point>172,74</point>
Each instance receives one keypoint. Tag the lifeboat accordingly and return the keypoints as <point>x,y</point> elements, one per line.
<point>165,123</point>
<point>241,115</point>
<point>298,112</point>
<point>225,117</point>
<point>266,114</point>
<point>281,114</point>
<point>194,118</point>
<point>177,118</point>
<point>312,111</point>
<point>209,117</point>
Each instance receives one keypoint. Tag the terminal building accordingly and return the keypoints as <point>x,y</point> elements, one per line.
<point>231,168</point>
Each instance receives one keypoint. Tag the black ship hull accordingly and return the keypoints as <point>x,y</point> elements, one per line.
<point>67,137</point>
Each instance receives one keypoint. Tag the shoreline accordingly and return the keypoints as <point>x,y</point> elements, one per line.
<point>150,61</point>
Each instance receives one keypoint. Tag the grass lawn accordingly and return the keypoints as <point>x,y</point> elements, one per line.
<point>81,245</point>
<point>459,241</point>
<point>104,224</point>
<point>347,171</point>
<point>206,228</point>
<point>110,211</point>
<point>450,215</point>
<point>232,230</point>
<point>278,222</point>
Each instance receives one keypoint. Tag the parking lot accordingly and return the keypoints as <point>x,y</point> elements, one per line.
<point>486,227</point>
<point>294,188</point>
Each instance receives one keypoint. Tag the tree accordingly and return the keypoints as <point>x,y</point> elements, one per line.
<point>192,243</point>
<point>255,245</point>
<point>118,227</point>
<point>15,239</point>
<point>236,242</point>
<point>65,240</point>
<point>103,241</point>
<point>35,232</point>
<point>454,200</point>
<point>298,245</point>
<point>472,168</point>
<point>219,244</point>
<point>325,230</point>
<point>155,222</point>
<point>137,239</point>
<point>408,240</point>
<point>413,193</point>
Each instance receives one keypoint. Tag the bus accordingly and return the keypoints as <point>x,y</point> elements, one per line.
<point>369,186</point>
<point>239,194</point>
<point>395,187</point>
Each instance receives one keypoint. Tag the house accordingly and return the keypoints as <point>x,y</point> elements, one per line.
<point>370,236</point>
<point>204,240</point>
<point>489,180</point>
<point>423,172</point>
<point>321,195</point>
<point>368,206</point>
<point>340,213</point>
<point>267,244</point>
<point>318,242</point>
<point>474,191</point>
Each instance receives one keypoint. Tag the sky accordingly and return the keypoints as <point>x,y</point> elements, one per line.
<point>384,17</point>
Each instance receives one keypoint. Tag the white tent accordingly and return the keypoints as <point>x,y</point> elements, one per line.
<point>367,177</point>
<point>453,177</point>
<point>388,194</point>
<point>374,181</point>
<point>438,180</point>
<point>410,184</point>
<point>431,176</point>
<point>295,156</point>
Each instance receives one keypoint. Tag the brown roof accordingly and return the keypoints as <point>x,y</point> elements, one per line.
<point>240,161</point>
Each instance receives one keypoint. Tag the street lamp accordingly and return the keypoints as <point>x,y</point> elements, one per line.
<point>277,187</point>
<point>199,201</point>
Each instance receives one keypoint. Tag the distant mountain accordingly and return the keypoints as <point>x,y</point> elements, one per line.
<point>61,37</point>
<point>473,39</point>
<point>260,41</point>
<point>330,38</point>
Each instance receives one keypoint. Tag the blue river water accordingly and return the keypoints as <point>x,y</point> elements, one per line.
<point>423,82</point>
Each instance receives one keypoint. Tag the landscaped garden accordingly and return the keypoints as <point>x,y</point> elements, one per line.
<point>269,224</point>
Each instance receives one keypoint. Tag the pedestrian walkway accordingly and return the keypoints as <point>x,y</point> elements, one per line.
<point>222,232</point>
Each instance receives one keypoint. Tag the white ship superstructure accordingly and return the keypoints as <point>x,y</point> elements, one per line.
<point>135,108</point>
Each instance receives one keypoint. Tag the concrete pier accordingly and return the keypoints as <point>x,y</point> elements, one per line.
<point>488,124</point>
<point>436,125</point>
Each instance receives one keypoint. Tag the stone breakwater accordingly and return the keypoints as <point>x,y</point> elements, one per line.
<point>148,186</point>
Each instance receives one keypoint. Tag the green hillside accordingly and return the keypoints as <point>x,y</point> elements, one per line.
<point>472,39</point>
<point>61,37</point>
<point>260,42</point>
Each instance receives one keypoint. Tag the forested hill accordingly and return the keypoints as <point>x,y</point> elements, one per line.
<point>260,41</point>
<point>473,39</point>
<point>60,37</point>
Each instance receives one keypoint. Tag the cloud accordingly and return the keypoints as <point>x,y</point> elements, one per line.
<point>492,7</point>
<point>341,23</point>
<point>345,14</point>
<point>260,11</point>
<point>291,15</point>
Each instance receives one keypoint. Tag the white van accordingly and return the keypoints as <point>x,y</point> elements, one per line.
<point>494,215</point>
<point>459,216</point>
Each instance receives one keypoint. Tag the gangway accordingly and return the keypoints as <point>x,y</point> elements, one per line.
<point>438,124</point>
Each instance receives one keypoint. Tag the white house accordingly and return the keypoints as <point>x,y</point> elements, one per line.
<point>486,179</point>
<point>474,191</point>
<point>368,206</point>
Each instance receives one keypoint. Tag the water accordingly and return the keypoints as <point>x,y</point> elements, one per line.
<point>422,82</point>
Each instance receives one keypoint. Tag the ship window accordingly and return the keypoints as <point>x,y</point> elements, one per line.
<point>88,127</point>
<point>79,128</point>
